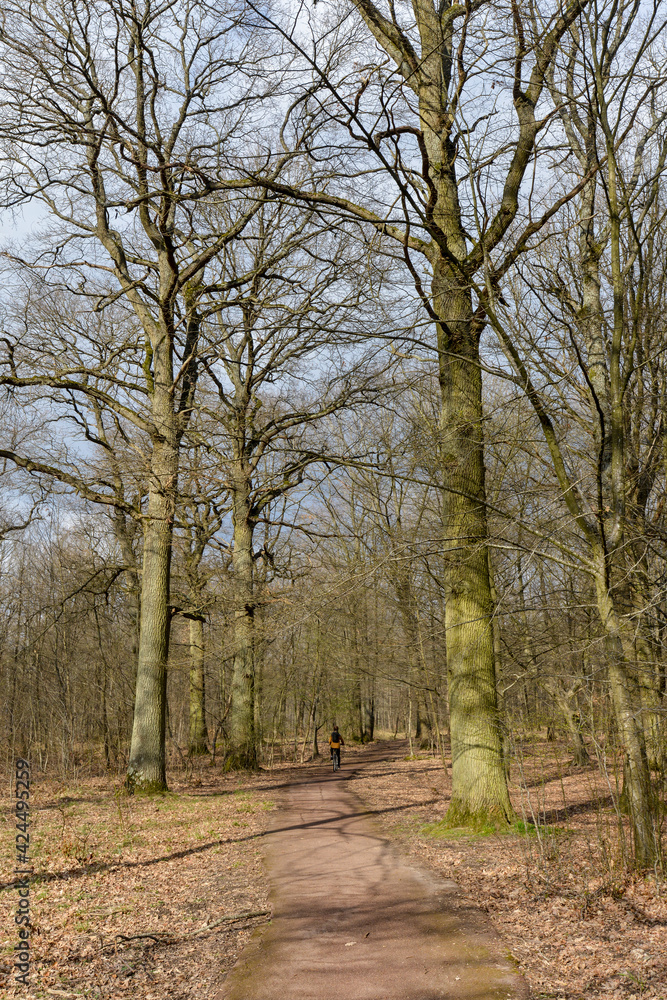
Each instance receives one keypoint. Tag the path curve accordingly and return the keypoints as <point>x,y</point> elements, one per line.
<point>354,920</point>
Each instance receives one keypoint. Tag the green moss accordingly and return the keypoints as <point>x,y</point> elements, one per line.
<point>443,830</point>
<point>513,961</point>
<point>136,787</point>
<point>241,759</point>
<point>484,821</point>
<point>531,830</point>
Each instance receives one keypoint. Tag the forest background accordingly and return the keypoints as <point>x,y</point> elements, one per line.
<point>334,388</point>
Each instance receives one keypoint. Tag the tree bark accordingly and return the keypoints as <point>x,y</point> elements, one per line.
<point>579,750</point>
<point>242,748</point>
<point>316,749</point>
<point>147,765</point>
<point>637,785</point>
<point>479,786</point>
<point>370,717</point>
<point>198,734</point>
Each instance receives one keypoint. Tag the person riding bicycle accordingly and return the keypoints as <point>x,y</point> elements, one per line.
<point>336,741</point>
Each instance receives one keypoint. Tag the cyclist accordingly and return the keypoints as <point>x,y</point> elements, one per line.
<point>336,741</point>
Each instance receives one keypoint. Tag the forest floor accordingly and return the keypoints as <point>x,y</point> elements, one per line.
<point>578,926</point>
<point>185,871</point>
<point>111,868</point>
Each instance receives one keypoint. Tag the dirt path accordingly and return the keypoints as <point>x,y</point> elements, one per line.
<point>353,920</point>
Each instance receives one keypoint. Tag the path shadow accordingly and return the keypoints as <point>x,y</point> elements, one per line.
<point>554,816</point>
<point>93,868</point>
<point>557,774</point>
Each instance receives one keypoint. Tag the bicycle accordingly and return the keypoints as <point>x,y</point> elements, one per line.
<point>335,754</point>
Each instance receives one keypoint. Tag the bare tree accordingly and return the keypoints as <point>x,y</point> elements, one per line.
<point>202,506</point>
<point>287,315</point>
<point>600,306</point>
<point>119,119</point>
<point>445,106</point>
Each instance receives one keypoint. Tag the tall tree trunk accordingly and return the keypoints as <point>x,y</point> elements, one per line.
<point>310,725</point>
<point>565,701</point>
<point>647,659</point>
<point>147,764</point>
<point>479,786</point>
<point>315,700</point>
<point>242,749</point>
<point>370,717</point>
<point>146,770</point>
<point>198,734</point>
<point>357,719</point>
<point>105,717</point>
<point>411,628</point>
<point>637,786</point>
<point>316,749</point>
<point>134,586</point>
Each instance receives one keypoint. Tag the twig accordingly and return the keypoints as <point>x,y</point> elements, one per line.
<point>157,937</point>
<point>165,937</point>
<point>642,917</point>
<point>225,920</point>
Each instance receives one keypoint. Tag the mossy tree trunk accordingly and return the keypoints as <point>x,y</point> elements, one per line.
<point>147,765</point>
<point>241,751</point>
<point>434,60</point>
<point>637,788</point>
<point>198,736</point>
<point>479,784</point>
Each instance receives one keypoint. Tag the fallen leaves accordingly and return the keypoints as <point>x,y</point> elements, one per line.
<point>165,903</point>
<point>579,927</point>
<point>169,891</point>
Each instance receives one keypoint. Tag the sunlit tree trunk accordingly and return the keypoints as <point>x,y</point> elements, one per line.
<point>479,785</point>
<point>198,734</point>
<point>146,769</point>
<point>435,58</point>
<point>637,789</point>
<point>242,749</point>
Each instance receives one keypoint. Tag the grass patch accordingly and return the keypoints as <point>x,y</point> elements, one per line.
<point>542,830</point>
<point>442,831</point>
